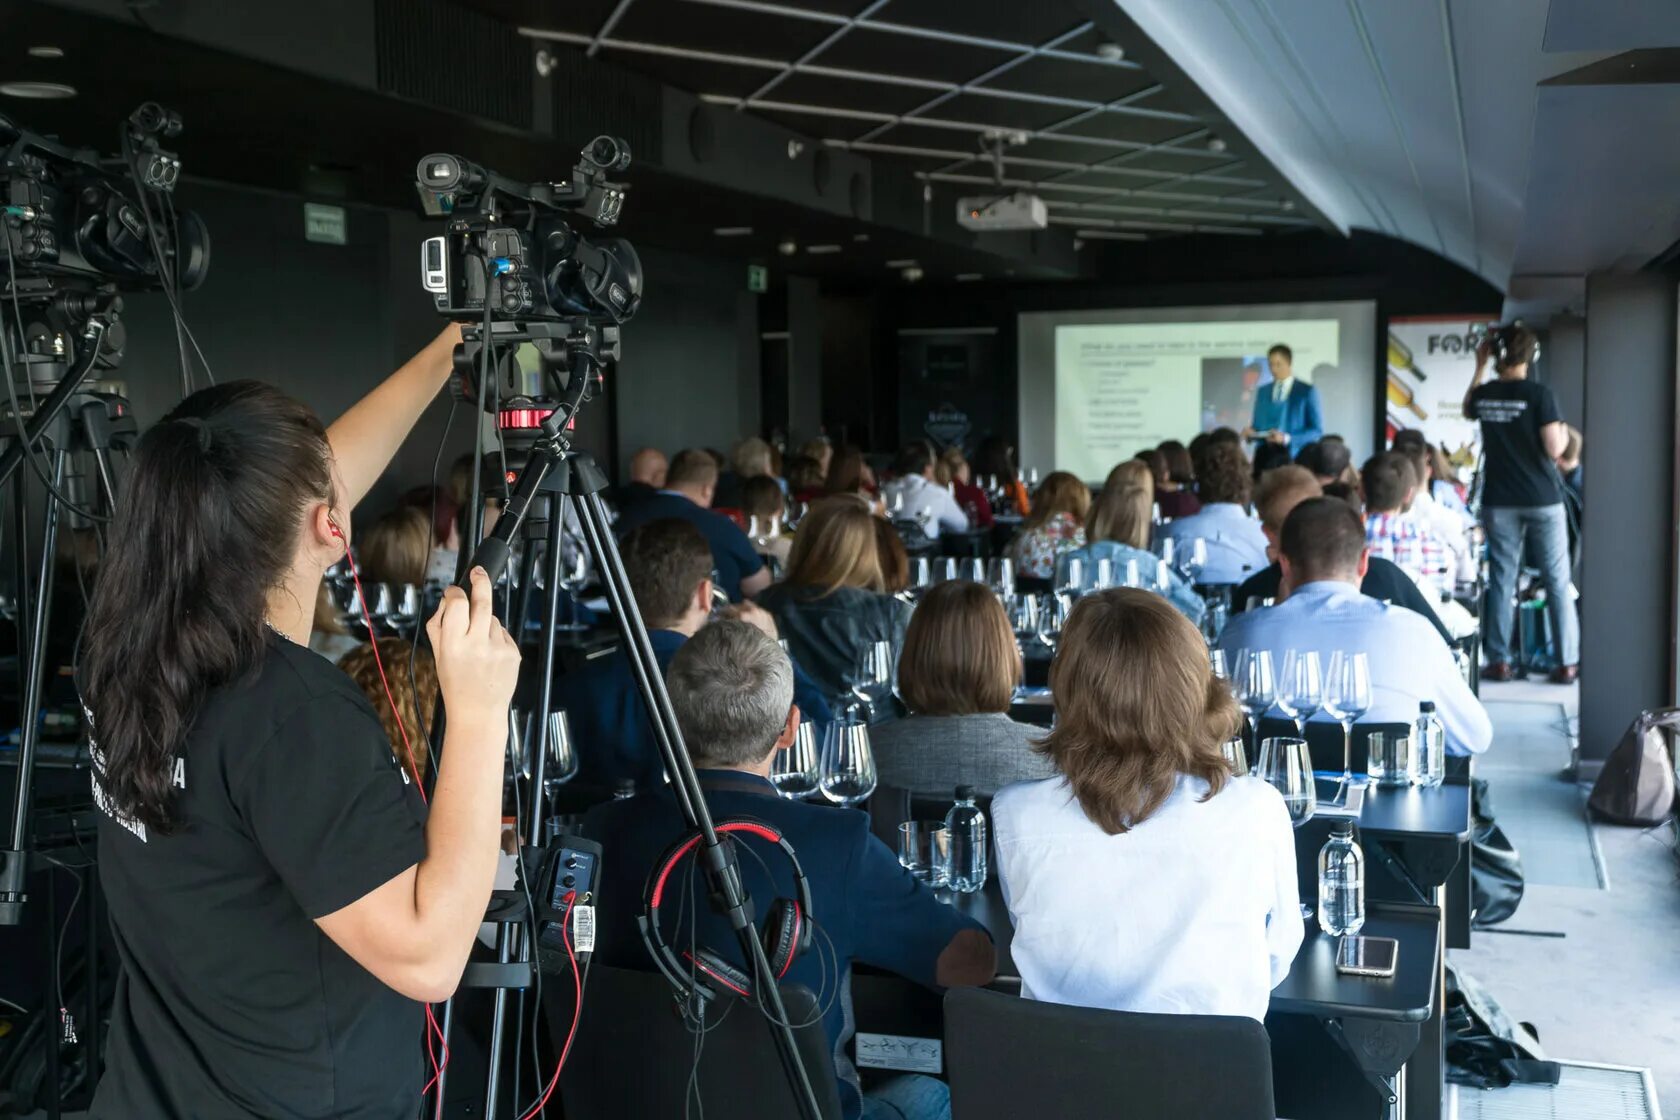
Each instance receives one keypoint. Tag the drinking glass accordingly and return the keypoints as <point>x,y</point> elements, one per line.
<point>848,766</point>
<point>1052,614</point>
<point>754,530</point>
<point>1256,685</point>
<point>1301,688</point>
<point>1032,478</point>
<point>1347,696</point>
<point>1129,575</point>
<point>1259,602</point>
<point>1389,760</point>
<point>921,573</point>
<point>871,678</point>
<point>1192,558</point>
<point>795,771</point>
<point>1167,549</point>
<point>1023,617</point>
<point>561,765</point>
<point>1000,573</point>
<point>1072,573</point>
<point>924,850</point>
<point>945,569</point>
<point>1236,755</point>
<point>973,569</point>
<point>1220,666</point>
<point>1286,766</point>
<point>574,573</point>
<point>1163,578</point>
<point>1102,573</point>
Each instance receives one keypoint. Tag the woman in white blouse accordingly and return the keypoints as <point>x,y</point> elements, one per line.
<point>1145,877</point>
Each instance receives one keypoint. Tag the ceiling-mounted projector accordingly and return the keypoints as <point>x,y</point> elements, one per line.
<point>999,212</point>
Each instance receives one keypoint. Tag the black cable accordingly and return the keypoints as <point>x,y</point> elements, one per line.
<point>420,623</point>
<point>175,239</point>
<point>166,279</point>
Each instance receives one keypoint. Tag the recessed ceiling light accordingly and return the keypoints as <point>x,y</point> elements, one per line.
<point>1216,145</point>
<point>860,237</point>
<point>971,276</point>
<point>37,91</point>
<point>788,248</point>
<point>822,248</point>
<point>1113,52</point>
<point>46,52</point>
<point>733,231</point>
<point>1289,204</point>
<point>911,274</point>
<point>907,263</point>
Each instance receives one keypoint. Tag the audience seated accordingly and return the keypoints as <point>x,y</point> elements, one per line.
<point>732,692</point>
<point>1269,457</point>
<point>832,605</point>
<point>396,548</point>
<point>748,459</point>
<point>1145,877</point>
<point>1118,530</point>
<point>1328,458</point>
<point>1280,492</point>
<point>953,468</point>
<point>415,695</point>
<point>669,565</point>
<point>764,503</point>
<point>1386,480</point>
<point>1056,524</point>
<point>1324,559</point>
<point>849,473</point>
<point>913,495</point>
<point>647,478</point>
<point>957,676</point>
<point>995,459</point>
<point>820,450</point>
<point>1236,547</point>
<point>1174,479</point>
<point>689,486</point>
<point>806,479</point>
<point>895,558</point>
<point>1451,528</point>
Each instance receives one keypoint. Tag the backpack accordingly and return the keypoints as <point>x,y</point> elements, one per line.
<point>1636,786</point>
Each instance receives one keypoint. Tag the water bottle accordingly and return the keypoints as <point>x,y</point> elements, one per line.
<point>1341,883</point>
<point>967,826</point>
<point>1429,746</point>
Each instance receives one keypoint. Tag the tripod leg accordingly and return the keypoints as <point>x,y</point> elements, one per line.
<point>505,936</point>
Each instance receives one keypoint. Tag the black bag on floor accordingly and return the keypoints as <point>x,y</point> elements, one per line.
<point>1496,874</point>
<point>1636,786</point>
<point>1486,1048</point>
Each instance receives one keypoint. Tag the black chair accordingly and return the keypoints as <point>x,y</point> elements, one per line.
<point>1324,740</point>
<point>633,1053</point>
<point>1008,1057</point>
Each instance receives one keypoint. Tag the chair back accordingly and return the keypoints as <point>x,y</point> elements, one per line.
<point>1009,1057</point>
<point>633,1052</point>
<point>1324,741</point>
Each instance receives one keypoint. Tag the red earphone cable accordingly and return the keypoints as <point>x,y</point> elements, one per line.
<point>577,1010</point>
<point>432,1028</point>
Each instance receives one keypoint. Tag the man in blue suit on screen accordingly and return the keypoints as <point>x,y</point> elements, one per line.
<point>1287,410</point>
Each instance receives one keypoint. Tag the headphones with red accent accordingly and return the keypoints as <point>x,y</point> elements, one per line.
<point>702,974</point>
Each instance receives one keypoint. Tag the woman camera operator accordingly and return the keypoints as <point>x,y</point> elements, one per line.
<point>281,900</point>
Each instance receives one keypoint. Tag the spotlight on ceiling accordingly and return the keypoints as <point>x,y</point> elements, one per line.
<point>1215,144</point>
<point>733,231</point>
<point>788,248</point>
<point>1289,204</point>
<point>37,91</point>
<point>911,274</point>
<point>1111,52</point>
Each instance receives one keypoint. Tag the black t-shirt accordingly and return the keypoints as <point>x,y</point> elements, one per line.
<point>231,1002</point>
<point>1518,470</point>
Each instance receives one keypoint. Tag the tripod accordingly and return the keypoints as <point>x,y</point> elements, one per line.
<point>553,476</point>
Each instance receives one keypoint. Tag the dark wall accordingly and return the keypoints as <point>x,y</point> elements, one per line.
<point>1190,271</point>
<point>328,322</point>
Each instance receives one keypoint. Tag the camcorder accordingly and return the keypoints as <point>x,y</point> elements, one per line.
<point>81,229</point>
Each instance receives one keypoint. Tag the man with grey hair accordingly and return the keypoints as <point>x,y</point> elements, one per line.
<point>732,689</point>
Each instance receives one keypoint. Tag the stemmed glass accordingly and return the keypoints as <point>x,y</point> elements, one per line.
<point>1072,573</point>
<point>972,569</point>
<point>1102,575</point>
<point>1000,573</point>
<point>1301,688</point>
<point>1023,618</point>
<point>1192,558</point>
<point>1256,685</point>
<point>1220,666</point>
<point>795,772</point>
<point>921,573</point>
<point>1347,696</point>
<point>574,573</point>
<point>848,765</point>
<point>1129,575</point>
<point>1052,614</point>
<point>871,679</point>
<point>561,766</point>
<point>1286,766</point>
<point>1167,549</point>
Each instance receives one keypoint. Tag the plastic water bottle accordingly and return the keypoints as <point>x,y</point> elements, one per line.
<point>1341,883</point>
<point>1429,746</point>
<point>967,826</point>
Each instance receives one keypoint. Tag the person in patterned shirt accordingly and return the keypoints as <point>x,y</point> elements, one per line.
<point>1385,479</point>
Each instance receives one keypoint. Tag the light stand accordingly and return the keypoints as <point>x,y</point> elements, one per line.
<point>552,475</point>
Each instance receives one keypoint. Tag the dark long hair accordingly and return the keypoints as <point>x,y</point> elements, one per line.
<point>207,525</point>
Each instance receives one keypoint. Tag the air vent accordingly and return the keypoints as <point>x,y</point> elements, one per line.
<point>435,53</point>
<point>591,98</point>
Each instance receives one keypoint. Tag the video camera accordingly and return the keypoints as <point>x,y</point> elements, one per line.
<point>79,229</point>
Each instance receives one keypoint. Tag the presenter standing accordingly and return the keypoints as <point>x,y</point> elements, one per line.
<point>1287,411</point>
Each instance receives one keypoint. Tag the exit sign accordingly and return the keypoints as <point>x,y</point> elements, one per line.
<point>758,278</point>
<point>323,223</point>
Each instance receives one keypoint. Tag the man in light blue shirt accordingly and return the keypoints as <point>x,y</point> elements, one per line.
<point>1236,545</point>
<point>1324,559</point>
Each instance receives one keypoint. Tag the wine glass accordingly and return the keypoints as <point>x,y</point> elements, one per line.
<point>1236,755</point>
<point>1072,575</point>
<point>1023,618</point>
<point>1286,766</point>
<point>1347,696</point>
<point>1102,573</point>
<point>561,765</point>
<point>1163,578</point>
<point>1219,664</point>
<point>1256,685</point>
<point>795,772</point>
<point>871,678</point>
<point>945,569</point>
<point>1167,549</point>
<point>1052,614</point>
<point>848,766</point>
<point>1000,573</point>
<point>1301,688</point>
<point>973,569</point>
<point>1032,478</point>
<point>1192,558</point>
<point>921,573</point>
<point>1129,576</point>
<point>574,573</point>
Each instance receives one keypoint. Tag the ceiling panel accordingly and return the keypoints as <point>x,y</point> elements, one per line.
<point>713,28</point>
<point>1019,21</point>
<point>1086,81</point>
<point>895,53</point>
<point>804,88</point>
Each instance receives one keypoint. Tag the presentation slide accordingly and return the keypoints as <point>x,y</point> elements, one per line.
<point>1098,387</point>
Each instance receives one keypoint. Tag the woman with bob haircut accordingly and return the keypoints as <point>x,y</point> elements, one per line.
<point>833,605</point>
<point>958,675</point>
<point>1145,877</point>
